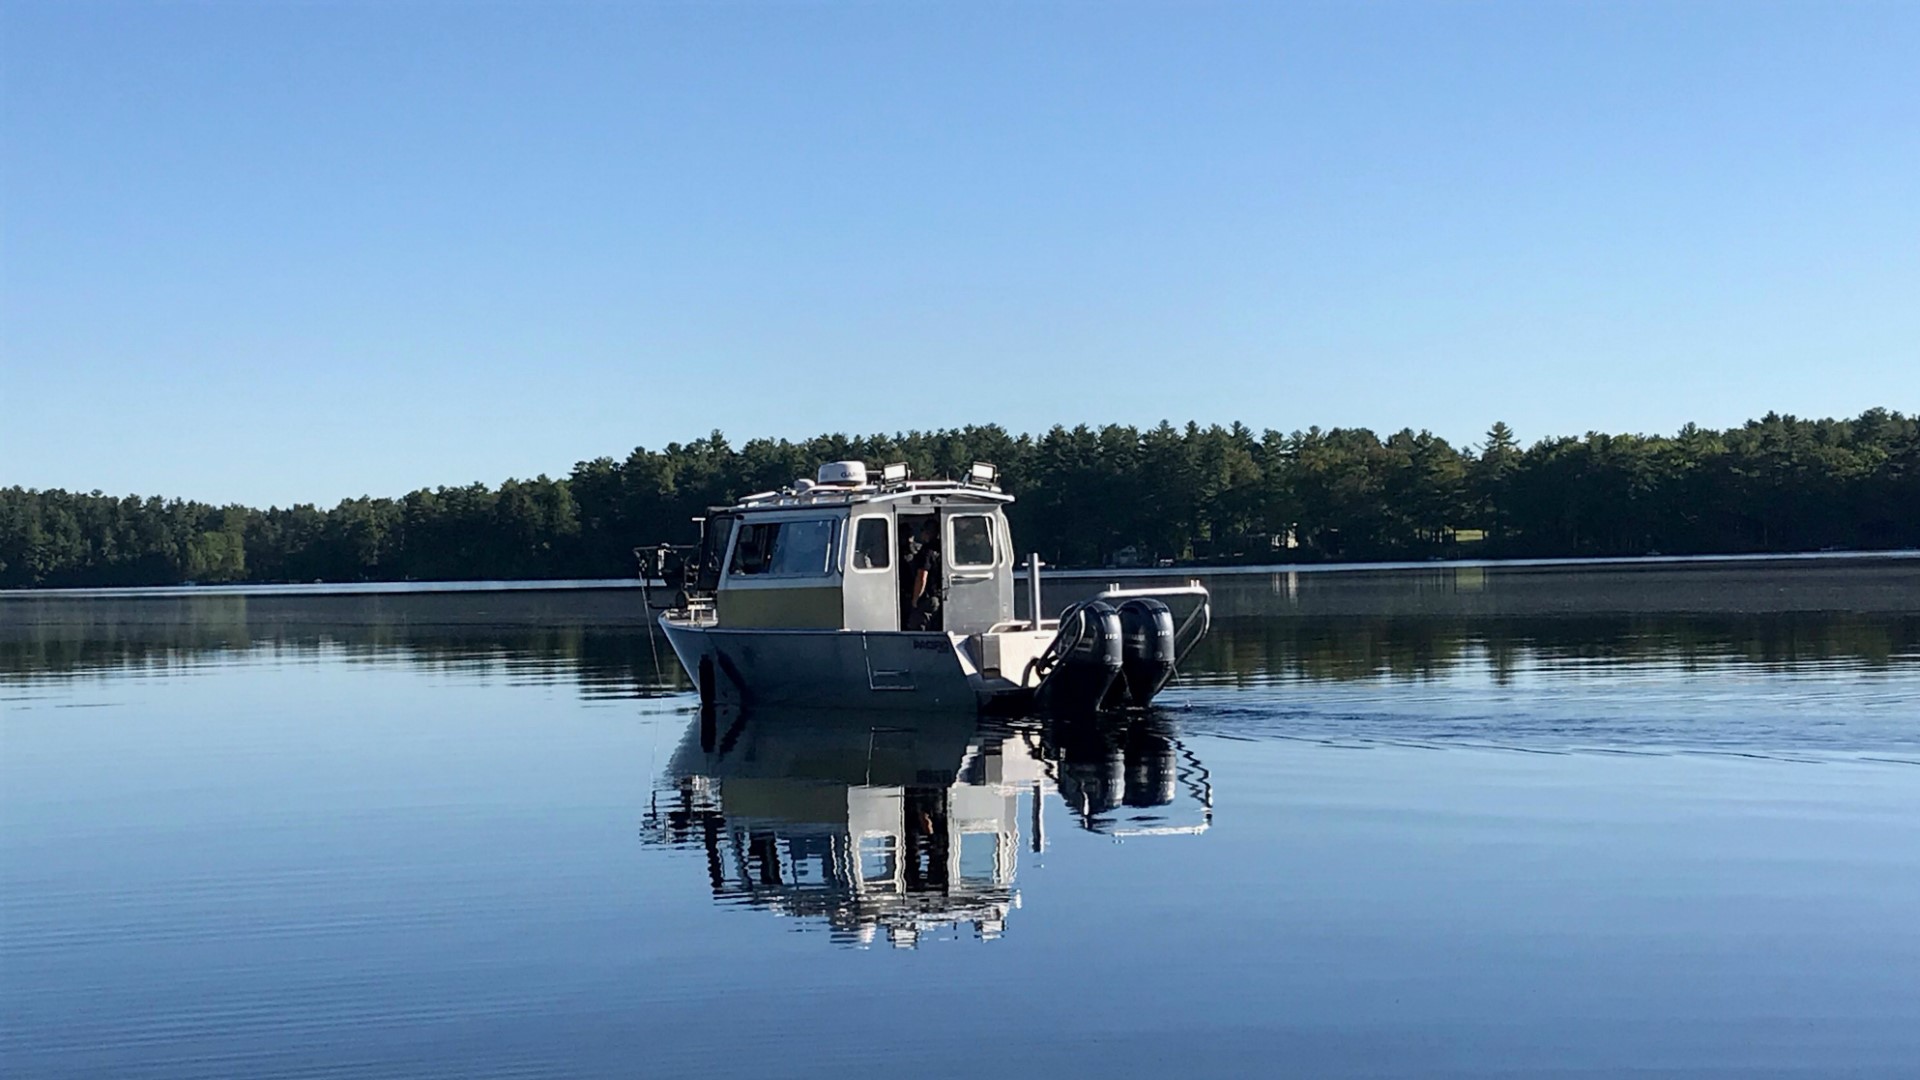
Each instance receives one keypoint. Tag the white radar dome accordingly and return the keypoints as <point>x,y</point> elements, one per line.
<point>844,472</point>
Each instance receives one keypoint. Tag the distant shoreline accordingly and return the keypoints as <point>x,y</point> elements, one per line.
<point>1464,564</point>
<point>1116,496</point>
<point>402,588</point>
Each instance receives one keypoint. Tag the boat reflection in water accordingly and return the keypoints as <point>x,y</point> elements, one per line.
<point>910,825</point>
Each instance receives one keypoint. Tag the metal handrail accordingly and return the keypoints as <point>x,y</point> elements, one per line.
<point>1113,591</point>
<point>1056,651</point>
<point>1202,614</point>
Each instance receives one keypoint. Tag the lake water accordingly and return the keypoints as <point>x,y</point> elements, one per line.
<point>1455,821</point>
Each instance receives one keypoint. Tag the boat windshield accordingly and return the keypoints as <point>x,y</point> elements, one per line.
<point>785,548</point>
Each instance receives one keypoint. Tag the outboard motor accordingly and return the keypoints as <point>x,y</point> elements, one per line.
<point>1147,656</point>
<point>1087,670</point>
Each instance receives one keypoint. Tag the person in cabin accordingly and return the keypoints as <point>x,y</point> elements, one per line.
<point>909,546</point>
<point>924,570</point>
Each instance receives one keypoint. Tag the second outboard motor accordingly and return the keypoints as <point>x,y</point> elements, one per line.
<point>1152,771</point>
<point>1146,658</point>
<point>1088,669</point>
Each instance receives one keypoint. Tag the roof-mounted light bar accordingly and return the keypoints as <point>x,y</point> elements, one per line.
<point>983,474</point>
<point>896,473</point>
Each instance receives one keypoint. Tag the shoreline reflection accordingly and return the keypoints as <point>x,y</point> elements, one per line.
<point>904,827</point>
<point>1382,627</point>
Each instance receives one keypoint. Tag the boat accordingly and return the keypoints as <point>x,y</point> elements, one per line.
<point>803,597</point>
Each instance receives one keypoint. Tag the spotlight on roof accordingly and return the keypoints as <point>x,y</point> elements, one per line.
<point>895,473</point>
<point>983,473</point>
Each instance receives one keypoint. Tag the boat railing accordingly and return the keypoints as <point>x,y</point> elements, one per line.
<point>1072,622</point>
<point>1067,630</point>
<point>1191,629</point>
<point>695,613</point>
<point>1023,626</point>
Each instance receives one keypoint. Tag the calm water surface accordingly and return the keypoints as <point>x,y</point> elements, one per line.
<point>1658,821</point>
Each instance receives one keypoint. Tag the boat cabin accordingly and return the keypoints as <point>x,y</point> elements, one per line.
<point>837,553</point>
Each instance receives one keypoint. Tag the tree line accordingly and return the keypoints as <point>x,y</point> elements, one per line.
<point>1087,497</point>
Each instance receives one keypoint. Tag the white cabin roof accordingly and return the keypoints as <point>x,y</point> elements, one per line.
<point>825,495</point>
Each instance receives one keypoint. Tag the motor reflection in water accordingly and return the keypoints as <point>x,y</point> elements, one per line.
<point>908,826</point>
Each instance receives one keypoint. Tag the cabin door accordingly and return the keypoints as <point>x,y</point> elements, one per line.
<point>873,574</point>
<point>974,568</point>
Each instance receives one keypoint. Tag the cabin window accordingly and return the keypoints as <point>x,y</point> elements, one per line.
<point>872,544</point>
<point>785,548</point>
<point>972,540</point>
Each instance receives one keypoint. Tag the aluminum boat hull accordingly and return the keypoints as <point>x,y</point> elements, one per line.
<point>859,669</point>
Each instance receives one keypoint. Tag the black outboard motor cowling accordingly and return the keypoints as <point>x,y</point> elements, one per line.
<point>1087,672</point>
<point>1146,628</point>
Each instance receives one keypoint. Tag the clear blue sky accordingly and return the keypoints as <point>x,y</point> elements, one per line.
<point>278,253</point>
